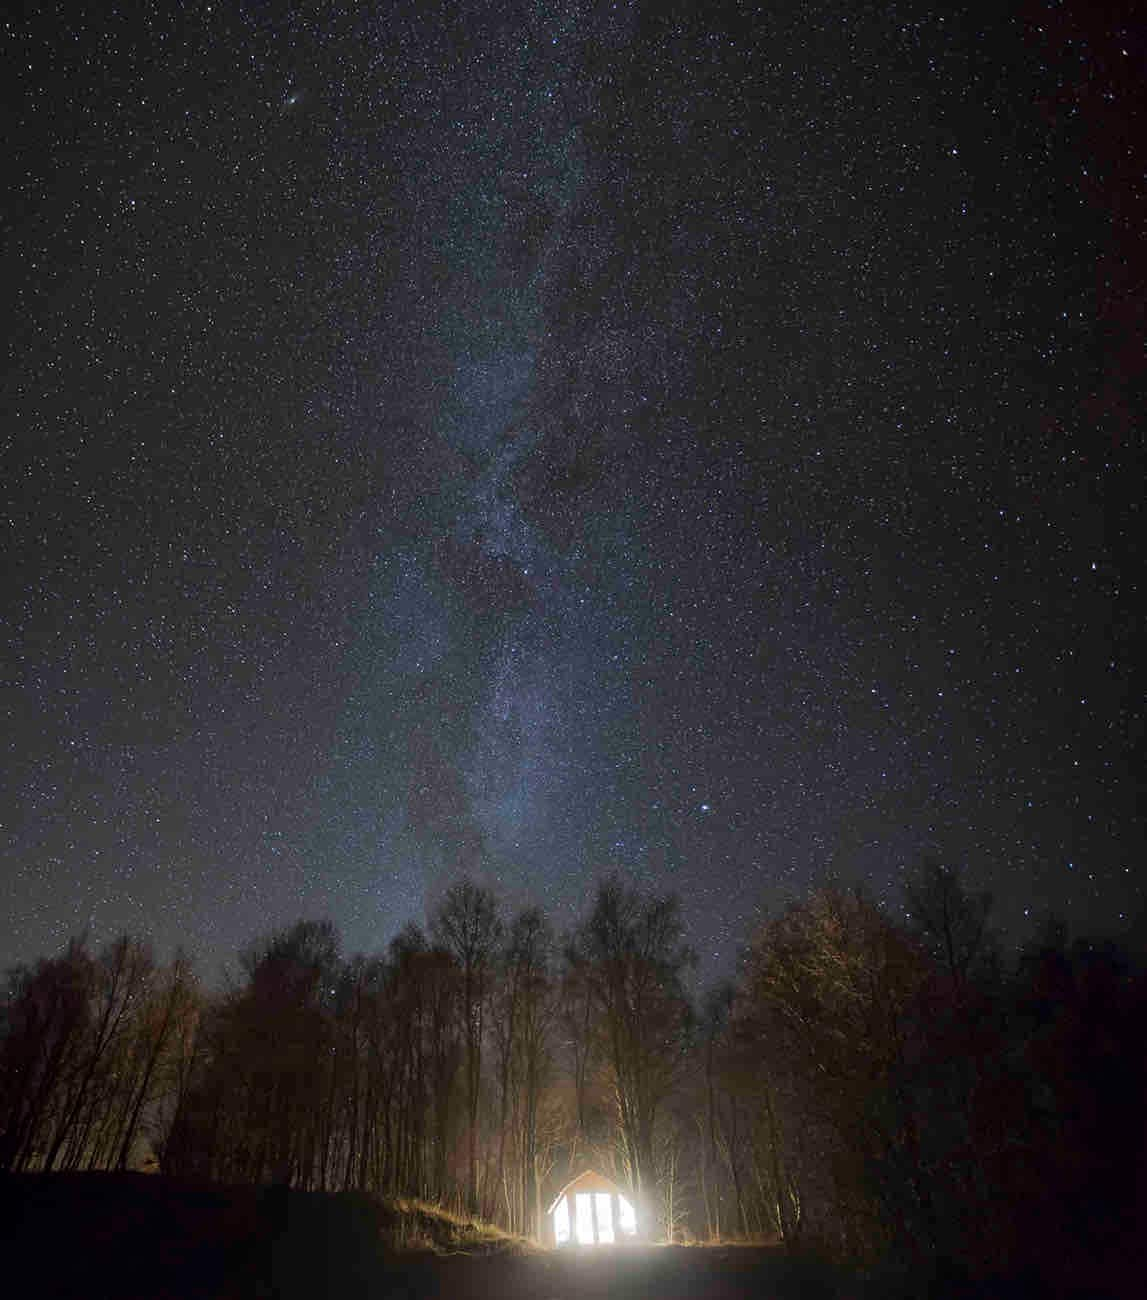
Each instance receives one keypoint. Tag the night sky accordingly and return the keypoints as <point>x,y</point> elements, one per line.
<point>537,440</point>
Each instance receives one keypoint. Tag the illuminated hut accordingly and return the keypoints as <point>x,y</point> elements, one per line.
<point>591,1211</point>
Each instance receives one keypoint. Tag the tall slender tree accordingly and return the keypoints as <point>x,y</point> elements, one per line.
<point>523,1004</point>
<point>630,952</point>
<point>468,927</point>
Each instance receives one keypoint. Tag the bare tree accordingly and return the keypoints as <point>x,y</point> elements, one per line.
<point>120,975</point>
<point>524,1005</point>
<point>467,926</point>
<point>160,1023</point>
<point>46,1019</point>
<point>629,950</point>
<point>950,922</point>
<point>826,1011</point>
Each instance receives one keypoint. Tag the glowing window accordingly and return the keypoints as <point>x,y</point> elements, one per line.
<point>626,1219</point>
<point>583,1218</point>
<point>601,1203</point>
<point>562,1222</point>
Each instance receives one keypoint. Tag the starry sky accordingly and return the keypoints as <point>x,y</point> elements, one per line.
<point>535,440</point>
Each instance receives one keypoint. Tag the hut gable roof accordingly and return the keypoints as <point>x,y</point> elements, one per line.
<point>587,1181</point>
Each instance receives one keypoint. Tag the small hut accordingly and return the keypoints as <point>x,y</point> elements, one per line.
<point>591,1211</point>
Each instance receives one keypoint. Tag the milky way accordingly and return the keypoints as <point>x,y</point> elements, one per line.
<point>535,441</point>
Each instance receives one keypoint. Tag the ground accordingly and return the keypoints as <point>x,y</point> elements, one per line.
<point>132,1236</point>
<point>140,1237</point>
<point>629,1273</point>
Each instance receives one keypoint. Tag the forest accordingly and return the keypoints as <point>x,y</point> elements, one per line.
<point>876,1085</point>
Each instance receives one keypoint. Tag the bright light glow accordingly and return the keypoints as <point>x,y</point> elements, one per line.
<point>583,1218</point>
<point>627,1220</point>
<point>562,1222</point>
<point>604,1217</point>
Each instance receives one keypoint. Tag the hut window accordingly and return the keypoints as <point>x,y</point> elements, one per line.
<point>583,1217</point>
<point>601,1203</point>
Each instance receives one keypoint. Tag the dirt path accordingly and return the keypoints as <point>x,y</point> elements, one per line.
<point>633,1273</point>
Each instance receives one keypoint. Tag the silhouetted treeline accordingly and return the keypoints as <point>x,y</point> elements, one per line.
<point>881,1089</point>
<point>89,1046</point>
<point>899,1090</point>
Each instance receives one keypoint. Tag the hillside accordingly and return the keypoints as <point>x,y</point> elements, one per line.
<point>136,1235</point>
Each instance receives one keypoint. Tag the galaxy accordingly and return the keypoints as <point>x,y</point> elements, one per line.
<point>528,442</point>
